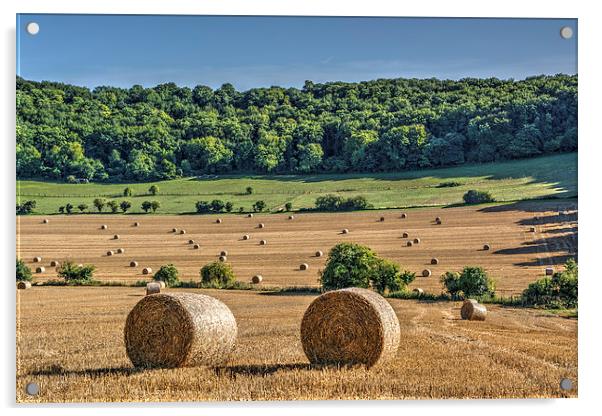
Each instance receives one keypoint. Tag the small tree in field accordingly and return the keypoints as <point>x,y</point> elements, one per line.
<point>168,274</point>
<point>127,191</point>
<point>259,206</point>
<point>61,210</point>
<point>153,190</point>
<point>218,275</point>
<point>23,272</point>
<point>217,205</point>
<point>249,190</point>
<point>471,282</point>
<point>125,206</point>
<point>288,206</point>
<point>99,203</point>
<point>477,197</point>
<point>146,206</point>
<point>69,208</point>
<point>155,205</point>
<point>113,206</point>
<point>229,206</point>
<point>82,207</point>
<point>73,273</point>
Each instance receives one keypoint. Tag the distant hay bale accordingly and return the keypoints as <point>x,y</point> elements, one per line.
<point>223,253</point>
<point>291,217</point>
<point>438,220</point>
<point>152,288</point>
<point>110,253</point>
<point>416,240</point>
<point>179,330</point>
<point>403,215</point>
<point>45,221</point>
<point>434,260</point>
<point>223,259</point>
<point>303,266</point>
<point>348,327</point>
<point>37,259</point>
<point>116,237</point>
<point>161,283</point>
<point>405,235</point>
<point>532,229</point>
<point>40,269</point>
<point>486,247</point>
<point>121,250</point>
<point>136,224</point>
<point>319,253</point>
<point>473,311</point>
<point>190,241</point>
<point>249,215</point>
<point>182,231</point>
<point>549,271</point>
<point>261,225</point>
<point>345,231</point>
<point>80,265</point>
<point>409,244</point>
<point>245,237</point>
<point>23,285</point>
<point>147,270</point>
<point>196,246</point>
<point>426,273</point>
<point>54,263</point>
<point>382,219</point>
<point>263,242</point>
<point>418,291</point>
<point>104,227</point>
<point>257,279</point>
<point>174,230</point>
<point>133,263</point>
<point>218,221</point>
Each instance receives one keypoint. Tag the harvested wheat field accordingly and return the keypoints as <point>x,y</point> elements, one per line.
<point>514,353</point>
<point>517,255</point>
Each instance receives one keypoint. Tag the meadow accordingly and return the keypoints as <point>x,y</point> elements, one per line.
<point>544,177</point>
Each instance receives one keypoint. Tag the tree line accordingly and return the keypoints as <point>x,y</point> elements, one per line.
<point>142,134</point>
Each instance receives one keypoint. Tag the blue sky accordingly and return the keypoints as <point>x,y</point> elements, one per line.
<point>92,50</point>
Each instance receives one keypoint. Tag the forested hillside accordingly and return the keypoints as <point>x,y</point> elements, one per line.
<point>141,134</point>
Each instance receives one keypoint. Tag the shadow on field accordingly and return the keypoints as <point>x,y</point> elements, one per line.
<point>261,369</point>
<point>56,370</point>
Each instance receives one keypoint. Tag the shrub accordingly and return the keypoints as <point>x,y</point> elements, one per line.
<point>69,208</point>
<point>259,206</point>
<point>249,190</point>
<point>82,207</point>
<point>153,190</point>
<point>354,265</point>
<point>203,207</point>
<point>99,203</point>
<point>155,205</point>
<point>557,291</point>
<point>26,207</point>
<point>450,184</point>
<point>146,206</point>
<point>477,197</point>
<point>229,206</point>
<point>61,209</point>
<point>471,282</point>
<point>125,205</point>
<point>218,275</point>
<point>288,206</point>
<point>113,206</point>
<point>71,179</point>
<point>23,272</point>
<point>336,203</point>
<point>168,274</point>
<point>127,191</point>
<point>217,205</point>
<point>73,273</point>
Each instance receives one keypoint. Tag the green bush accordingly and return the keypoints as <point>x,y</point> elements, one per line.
<point>259,206</point>
<point>82,207</point>
<point>332,202</point>
<point>471,282</point>
<point>288,206</point>
<point>217,205</point>
<point>23,272</point>
<point>477,197</point>
<point>203,207</point>
<point>354,265</point>
<point>557,291</point>
<point>73,273</point>
<point>217,275</point>
<point>153,190</point>
<point>450,184</point>
<point>26,207</point>
<point>168,274</point>
<point>249,190</point>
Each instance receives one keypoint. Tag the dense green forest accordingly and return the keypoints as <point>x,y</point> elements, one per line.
<point>164,132</point>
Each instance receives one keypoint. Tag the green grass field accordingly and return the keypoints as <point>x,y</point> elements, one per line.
<point>548,176</point>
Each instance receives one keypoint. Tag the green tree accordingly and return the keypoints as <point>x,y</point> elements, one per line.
<point>125,206</point>
<point>155,205</point>
<point>146,206</point>
<point>217,205</point>
<point>288,206</point>
<point>249,190</point>
<point>217,274</point>
<point>99,203</point>
<point>69,208</point>
<point>23,272</point>
<point>82,207</point>
<point>477,197</point>
<point>203,207</point>
<point>558,291</point>
<point>168,274</point>
<point>259,206</point>
<point>127,191</point>
<point>153,190</point>
<point>471,282</point>
<point>113,206</point>
<point>229,206</point>
<point>76,274</point>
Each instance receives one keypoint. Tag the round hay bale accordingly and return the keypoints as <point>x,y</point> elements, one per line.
<point>291,217</point>
<point>161,283</point>
<point>426,273</point>
<point>40,269</point>
<point>409,244</point>
<point>147,270</point>
<point>121,250</point>
<point>473,311</point>
<point>54,263</point>
<point>133,263</point>
<point>80,265</point>
<point>549,271</point>
<point>136,224</point>
<point>45,221</point>
<point>303,266</point>
<point>23,285</point>
<point>249,215</point>
<point>104,227</point>
<point>218,221</point>
<point>263,243</point>
<point>257,279</point>
<point>532,229</point>
<point>418,291</point>
<point>223,253</point>
<point>438,221</point>
<point>37,259</point>
<point>350,326</point>
<point>416,240</point>
<point>319,253</point>
<point>110,253</point>
<point>246,237</point>
<point>486,247</point>
<point>116,237</point>
<point>434,260</point>
<point>223,259</point>
<point>196,246</point>
<point>403,215</point>
<point>152,288</point>
<point>345,231</point>
<point>405,235</point>
<point>261,225</point>
<point>179,330</point>
<point>190,241</point>
<point>382,219</point>
<point>182,231</point>
<point>174,230</point>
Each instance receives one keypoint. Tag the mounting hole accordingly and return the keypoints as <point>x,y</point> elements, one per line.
<point>566,32</point>
<point>566,384</point>
<point>33,28</point>
<point>32,389</point>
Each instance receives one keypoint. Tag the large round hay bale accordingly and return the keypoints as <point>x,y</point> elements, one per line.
<point>291,217</point>
<point>116,237</point>
<point>37,259</point>
<point>110,253</point>
<point>190,241</point>
<point>23,285</point>
<point>261,225</point>
<point>152,288</point>
<point>418,291</point>
<point>182,231</point>
<point>409,244</point>
<point>549,271</point>
<point>218,221</point>
<point>405,235</point>
<point>121,250</point>
<point>45,221</point>
<point>104,227</point>
<point>403,215</point>
<point>147,270</point>
<point>196,246</point>
<point>179,330</point>
<point>54,263</point>
<point>133,263</point>
<point>257,279</point>
<point>223,259</point>
<point>303,266</point>
<point>345,231</point>
<point>486,247</point>
<point>350,326</point>
<point>40,269</point>
<point>223,253</point>
<point>246,237</point>
<point>249,215</point>
<point>319,253</point>
<point>434,260</point>
<point>473,310</point>
<point>416,240</point>
<point>426,273</point>
<point>263,242</point>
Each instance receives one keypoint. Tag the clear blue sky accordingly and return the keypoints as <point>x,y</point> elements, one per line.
<point>92,50</point>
